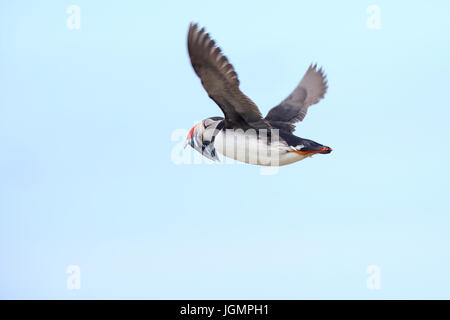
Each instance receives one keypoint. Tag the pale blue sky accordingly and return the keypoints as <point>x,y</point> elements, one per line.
<point>86,176</point>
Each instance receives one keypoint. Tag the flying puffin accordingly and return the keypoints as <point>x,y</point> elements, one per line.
<point>243,134</point>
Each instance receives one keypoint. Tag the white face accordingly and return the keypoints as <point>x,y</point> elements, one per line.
<point>208,129</point>
<point>200,138</point>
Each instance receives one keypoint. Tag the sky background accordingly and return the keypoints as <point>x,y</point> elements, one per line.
<point>90,126</point>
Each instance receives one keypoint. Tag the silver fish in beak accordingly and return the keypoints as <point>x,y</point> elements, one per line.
<point>195,140</point>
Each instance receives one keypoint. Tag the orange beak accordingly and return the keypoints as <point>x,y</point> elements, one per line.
<point>190,137</point>
<point>191,132</point>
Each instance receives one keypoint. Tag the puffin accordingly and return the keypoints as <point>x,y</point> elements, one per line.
<point>243,134</point>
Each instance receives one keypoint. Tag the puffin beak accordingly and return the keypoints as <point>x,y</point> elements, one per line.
<point>196,142</point>
<point>190,138</point>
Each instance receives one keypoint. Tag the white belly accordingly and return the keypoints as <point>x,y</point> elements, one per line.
<point>247,148</point>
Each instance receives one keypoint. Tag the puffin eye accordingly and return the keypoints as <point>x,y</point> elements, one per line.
<point>207,123</point>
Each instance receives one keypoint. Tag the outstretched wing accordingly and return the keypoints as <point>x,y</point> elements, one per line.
<point>309,91</point>
<point>221,81</point>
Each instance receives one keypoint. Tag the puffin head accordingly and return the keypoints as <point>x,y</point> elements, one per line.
<point>200,138</point>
